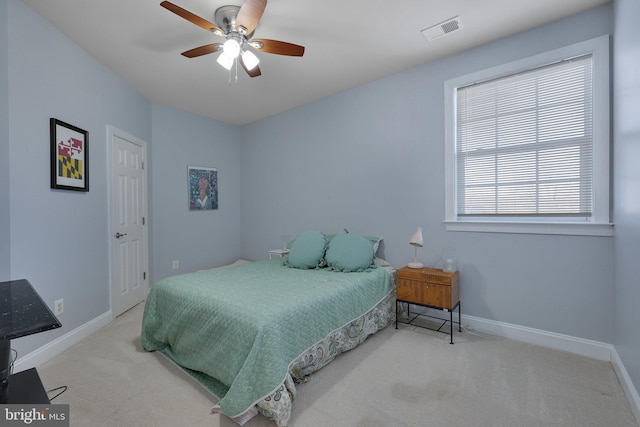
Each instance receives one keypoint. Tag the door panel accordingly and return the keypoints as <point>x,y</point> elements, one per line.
<point>128,230</point>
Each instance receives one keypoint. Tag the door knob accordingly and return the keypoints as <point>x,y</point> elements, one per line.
<point>119,235</point>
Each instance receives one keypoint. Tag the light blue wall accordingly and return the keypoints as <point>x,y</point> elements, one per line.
<point>626,183</point>
<point>59,239</point>
<point>197,239</point>
<point>371,159</point>
<point>5,255</point>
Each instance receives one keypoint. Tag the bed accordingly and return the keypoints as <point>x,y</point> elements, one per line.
<point>249,333</point>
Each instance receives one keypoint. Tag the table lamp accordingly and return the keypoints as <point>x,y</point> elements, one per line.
<point>416,242</point>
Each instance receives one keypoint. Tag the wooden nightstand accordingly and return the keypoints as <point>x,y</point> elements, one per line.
<point>429,287</point>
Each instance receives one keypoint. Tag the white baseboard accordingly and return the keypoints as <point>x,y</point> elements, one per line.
<point>589,348</point>
<point>60,344</point>
<point>627,384</point>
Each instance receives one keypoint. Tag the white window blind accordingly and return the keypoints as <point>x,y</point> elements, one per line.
<point>524,143</point>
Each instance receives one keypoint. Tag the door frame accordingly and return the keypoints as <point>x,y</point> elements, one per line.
<point>112,132</point>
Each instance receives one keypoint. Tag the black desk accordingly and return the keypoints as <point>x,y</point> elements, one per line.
<point>26,387</point>
<point>23,313</point>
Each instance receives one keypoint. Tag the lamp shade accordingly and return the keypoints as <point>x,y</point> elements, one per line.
<point>231,48</point>
<point>416,240</point>
<point>225,61</point>
<point>249,59</point>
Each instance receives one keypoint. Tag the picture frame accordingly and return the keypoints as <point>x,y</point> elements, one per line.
<point>69,156</point>
<point>203,188</point>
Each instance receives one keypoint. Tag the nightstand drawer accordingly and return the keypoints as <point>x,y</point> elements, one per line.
<point>419,292</point>
<point>430,275</point>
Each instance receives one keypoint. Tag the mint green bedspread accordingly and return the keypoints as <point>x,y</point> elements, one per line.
<point>239,328</point>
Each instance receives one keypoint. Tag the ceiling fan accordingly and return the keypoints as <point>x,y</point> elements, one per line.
<point>237,25</point>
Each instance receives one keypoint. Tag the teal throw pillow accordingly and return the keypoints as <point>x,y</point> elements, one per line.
<point>375,240</point>
<point>307,251</point>
<point>349,252</point>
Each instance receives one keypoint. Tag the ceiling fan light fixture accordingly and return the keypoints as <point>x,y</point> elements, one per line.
<point>237,25</point>
<point>250,59</point>
<point>225,61</point>
<point>231,48</point>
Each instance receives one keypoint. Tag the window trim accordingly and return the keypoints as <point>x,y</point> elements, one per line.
<point>599,224</point>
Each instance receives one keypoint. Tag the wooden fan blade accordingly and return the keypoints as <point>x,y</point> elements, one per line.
<point>202,50</point>
<point>249,14</point>
<point>195,19</point>
<point>279,48</point>
<point>254,72</point>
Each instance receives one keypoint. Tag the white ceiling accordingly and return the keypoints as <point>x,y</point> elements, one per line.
<point>348,43</point>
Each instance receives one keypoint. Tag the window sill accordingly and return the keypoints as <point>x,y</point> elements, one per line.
<point>561,228</point>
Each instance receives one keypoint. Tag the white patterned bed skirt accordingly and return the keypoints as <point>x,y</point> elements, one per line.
<point>277,406</point>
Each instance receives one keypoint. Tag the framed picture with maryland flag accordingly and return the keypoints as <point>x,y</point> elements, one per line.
<point>69,157</point>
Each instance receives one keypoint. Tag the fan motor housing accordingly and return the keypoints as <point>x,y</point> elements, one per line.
<point>225,18</point>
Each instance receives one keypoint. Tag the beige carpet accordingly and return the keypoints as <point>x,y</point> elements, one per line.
<point>406,377</point>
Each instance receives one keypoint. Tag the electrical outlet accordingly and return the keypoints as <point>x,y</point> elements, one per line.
<point>176,264</point>
<point>59,306</point>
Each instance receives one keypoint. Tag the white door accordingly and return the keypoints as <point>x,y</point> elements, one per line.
<point>128,237</point>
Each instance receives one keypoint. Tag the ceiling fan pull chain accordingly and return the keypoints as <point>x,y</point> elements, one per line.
<point>236,69</point>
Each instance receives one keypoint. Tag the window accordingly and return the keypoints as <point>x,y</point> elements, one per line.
<point>527,145</point>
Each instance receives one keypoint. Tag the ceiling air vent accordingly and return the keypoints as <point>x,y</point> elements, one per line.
<point>443,28</point>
